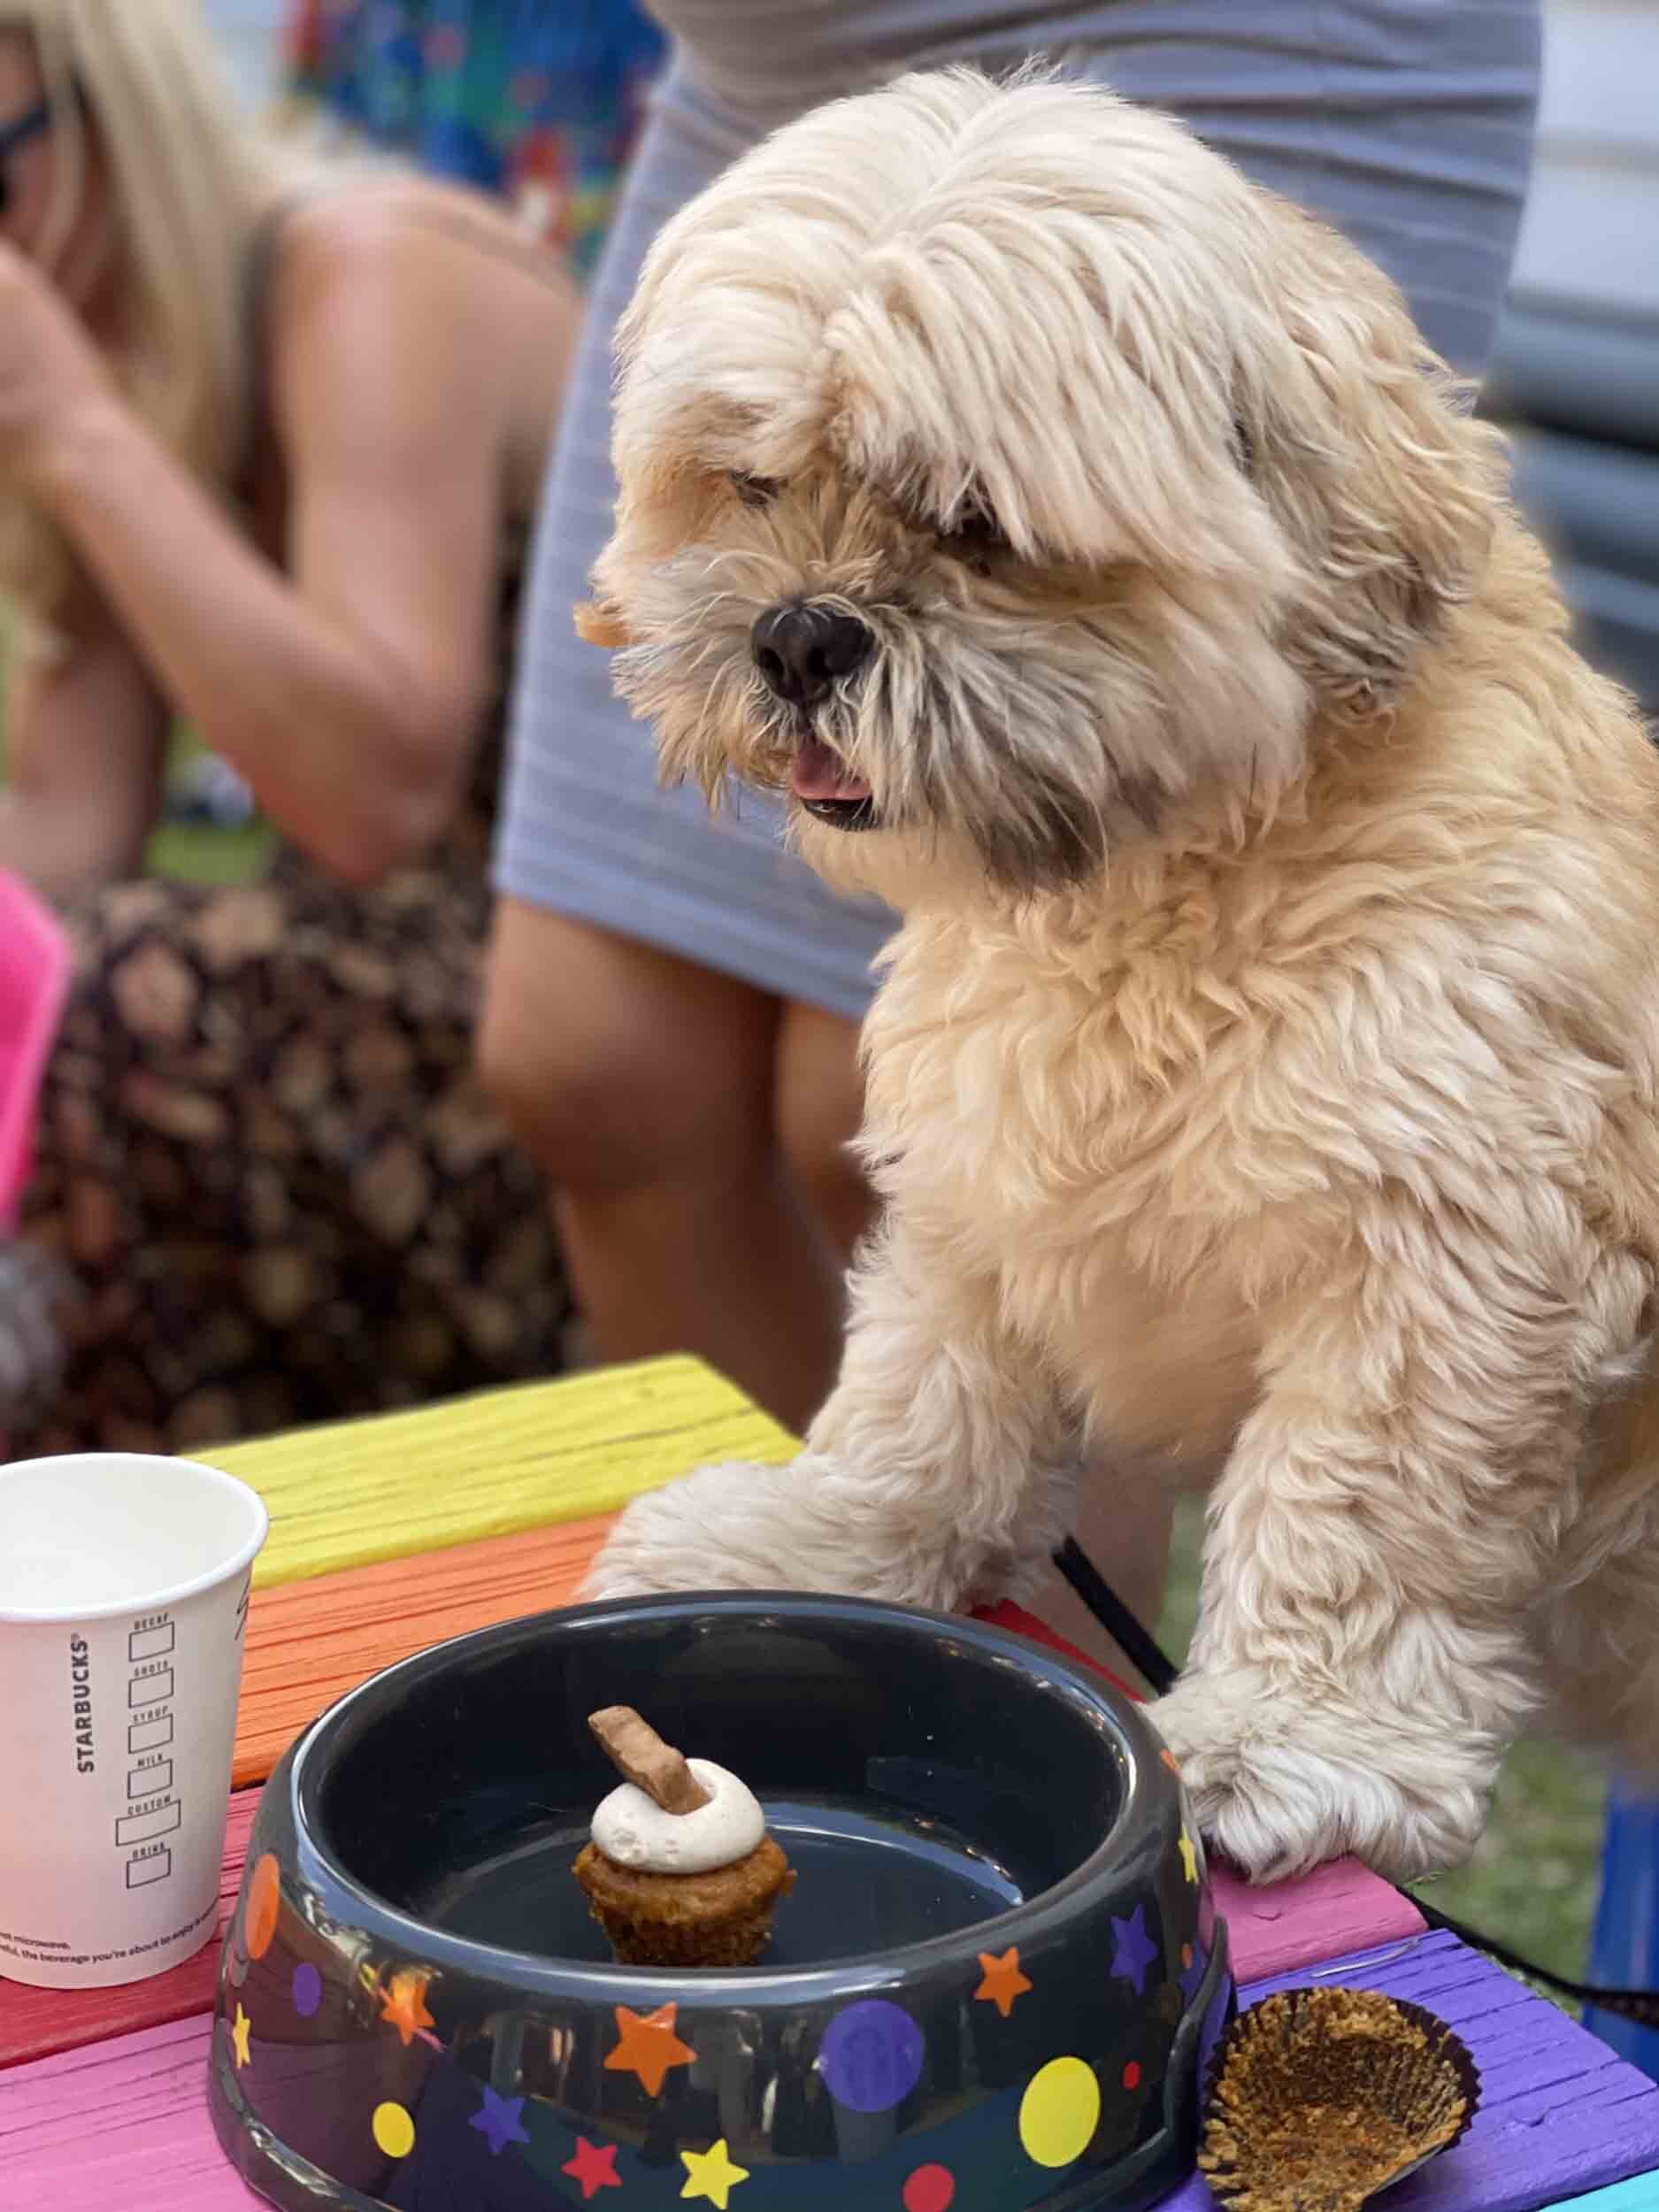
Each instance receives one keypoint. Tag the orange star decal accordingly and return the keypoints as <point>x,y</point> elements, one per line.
<point>648,2046</point>
<point>406,2006</point>
<point>1004,1981</point>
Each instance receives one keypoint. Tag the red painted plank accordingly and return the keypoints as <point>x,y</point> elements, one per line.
<point>1339,1909</point>
<point>308,1643</point>
<point>35,2023</point>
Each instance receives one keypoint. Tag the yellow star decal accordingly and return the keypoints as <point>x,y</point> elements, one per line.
<point>1189,1857</point>
<point>242,2029</point>
<point>712,2175</point>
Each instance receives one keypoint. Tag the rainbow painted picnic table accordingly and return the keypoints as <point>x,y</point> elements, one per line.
<point>392,1534</point>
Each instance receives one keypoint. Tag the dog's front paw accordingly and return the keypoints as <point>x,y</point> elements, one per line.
<point>718,1529</point>
<point>807,1526</point>
<point>1278,1784</point>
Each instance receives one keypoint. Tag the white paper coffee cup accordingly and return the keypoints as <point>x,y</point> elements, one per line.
<point>124,1584</point>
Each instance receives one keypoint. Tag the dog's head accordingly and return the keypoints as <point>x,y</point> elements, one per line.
<point>1008,479</point>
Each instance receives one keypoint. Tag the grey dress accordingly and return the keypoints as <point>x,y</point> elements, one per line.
<point>1406,123</point>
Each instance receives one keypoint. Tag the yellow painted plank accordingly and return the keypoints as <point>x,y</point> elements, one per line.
<point>355,1491</point>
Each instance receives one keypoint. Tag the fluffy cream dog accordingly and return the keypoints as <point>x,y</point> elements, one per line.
<point>1262,1084</point>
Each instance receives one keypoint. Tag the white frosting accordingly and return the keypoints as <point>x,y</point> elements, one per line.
<point>633,1830</point>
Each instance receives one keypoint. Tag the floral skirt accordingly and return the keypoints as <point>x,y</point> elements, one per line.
<point>266,1173</point>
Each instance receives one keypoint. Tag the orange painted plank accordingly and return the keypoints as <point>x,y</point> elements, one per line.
<point>309,1642</point>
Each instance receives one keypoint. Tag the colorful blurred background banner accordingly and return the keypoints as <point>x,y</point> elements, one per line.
<point>539,104</point>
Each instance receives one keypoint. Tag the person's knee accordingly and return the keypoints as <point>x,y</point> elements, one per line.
<point>609,1075</point>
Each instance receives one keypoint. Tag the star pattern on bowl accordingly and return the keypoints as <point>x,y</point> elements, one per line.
<point>648,2046</point>
<point>712,2174</point>
<point>405,2005</point>
<point>1005,1984</point>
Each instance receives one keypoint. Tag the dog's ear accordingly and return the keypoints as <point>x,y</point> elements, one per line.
<point>598,623</point>
<point>1358,438</point>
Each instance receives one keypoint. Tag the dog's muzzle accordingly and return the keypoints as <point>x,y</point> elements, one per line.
<point>802,652</point>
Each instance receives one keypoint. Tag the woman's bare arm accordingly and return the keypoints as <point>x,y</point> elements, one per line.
<point>349,691</point>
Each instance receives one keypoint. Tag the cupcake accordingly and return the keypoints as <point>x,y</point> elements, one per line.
<point>681,1870</point>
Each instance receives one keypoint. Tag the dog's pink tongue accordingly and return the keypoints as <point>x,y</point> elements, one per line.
<point>821,773</point>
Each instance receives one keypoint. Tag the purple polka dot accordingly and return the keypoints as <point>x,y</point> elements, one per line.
<point>308,1991</point>
<point>872,2056</point>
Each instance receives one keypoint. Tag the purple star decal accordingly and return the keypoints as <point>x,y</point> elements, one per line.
<point>1134,1954</point>
<point>500,2119</point>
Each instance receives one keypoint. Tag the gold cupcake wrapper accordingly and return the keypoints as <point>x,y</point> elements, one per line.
<point>1320,2099</point>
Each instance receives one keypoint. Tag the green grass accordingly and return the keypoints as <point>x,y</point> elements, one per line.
<point>1531,1883</point>
<point>209,855</point>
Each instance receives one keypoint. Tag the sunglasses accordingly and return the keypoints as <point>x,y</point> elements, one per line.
<point>29,124</point>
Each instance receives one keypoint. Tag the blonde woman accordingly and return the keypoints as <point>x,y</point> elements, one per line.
<point>268,444</point>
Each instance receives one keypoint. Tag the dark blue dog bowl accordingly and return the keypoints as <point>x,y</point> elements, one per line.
<point>996,1986</point>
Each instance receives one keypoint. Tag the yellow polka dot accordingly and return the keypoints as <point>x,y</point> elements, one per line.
<point>394,2131</point>
<point>1059,2113</point>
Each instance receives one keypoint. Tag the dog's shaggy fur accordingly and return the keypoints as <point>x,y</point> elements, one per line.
<point>1263,1086</point>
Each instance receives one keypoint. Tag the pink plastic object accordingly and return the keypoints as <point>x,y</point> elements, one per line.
<point>35,965</point>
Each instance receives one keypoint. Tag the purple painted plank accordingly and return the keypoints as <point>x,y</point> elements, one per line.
<point>1559,2114</point>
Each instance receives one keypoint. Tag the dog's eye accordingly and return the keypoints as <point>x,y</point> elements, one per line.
<point>755,491</point>
<point>975,530</point>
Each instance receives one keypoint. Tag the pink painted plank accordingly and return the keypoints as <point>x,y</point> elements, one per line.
<point>1559,2116</point>
<point>120,2126</point>
<point>1333,1913</point>
<point>124,2123</point>
<point>35,2023</point>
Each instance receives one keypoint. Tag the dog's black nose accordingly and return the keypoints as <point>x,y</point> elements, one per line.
<point>804,651</point>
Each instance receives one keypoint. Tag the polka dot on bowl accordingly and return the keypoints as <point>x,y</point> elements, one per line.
<point>930,2189</point>
<point>1059,2113</point>
<point>265,1894</point>
<point>872,2056</point>
<point>394,2130</point>
<point>1132,2074</point>
<point>308,1991</point>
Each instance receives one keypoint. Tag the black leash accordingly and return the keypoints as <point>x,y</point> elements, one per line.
<point>1153,1664</point>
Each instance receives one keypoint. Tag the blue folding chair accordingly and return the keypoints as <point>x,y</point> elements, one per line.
<point>1625,1950</point>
